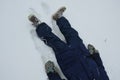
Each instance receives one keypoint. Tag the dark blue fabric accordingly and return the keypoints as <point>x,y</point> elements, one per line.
<point>53,76</point>
<point>73,58</point>
<point>97,59</point>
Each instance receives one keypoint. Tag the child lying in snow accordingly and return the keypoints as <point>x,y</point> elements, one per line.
<point>75,60</point>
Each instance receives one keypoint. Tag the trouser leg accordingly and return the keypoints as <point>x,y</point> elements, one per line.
<point>44,32</point>
<point>66,29</point>
<point>97,59</point>
<point>71,35</point>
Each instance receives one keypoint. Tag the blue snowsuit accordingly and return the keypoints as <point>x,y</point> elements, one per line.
<point>73,58</point>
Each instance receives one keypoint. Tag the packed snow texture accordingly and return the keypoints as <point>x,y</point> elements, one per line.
<point>23,55</point>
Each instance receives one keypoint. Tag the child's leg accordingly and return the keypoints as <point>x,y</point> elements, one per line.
<point>96,57</point>
<point>66,29</point>
<point>45,34</point>
<point>71,35</point>
<point>101,68</point>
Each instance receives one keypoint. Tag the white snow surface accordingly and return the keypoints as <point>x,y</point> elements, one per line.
<point>23,55</point>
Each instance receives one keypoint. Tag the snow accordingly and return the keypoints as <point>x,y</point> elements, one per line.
<point>23,55</point>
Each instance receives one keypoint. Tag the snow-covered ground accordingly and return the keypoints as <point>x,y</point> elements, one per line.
<point>22,54</point>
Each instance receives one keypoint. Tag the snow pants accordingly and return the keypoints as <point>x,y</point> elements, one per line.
<point>73,58</point>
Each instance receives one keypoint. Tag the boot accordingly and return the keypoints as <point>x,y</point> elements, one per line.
<point>50,67</point>
<point>92,49</point>
<point>59,13</point>
<point>35,21</point>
